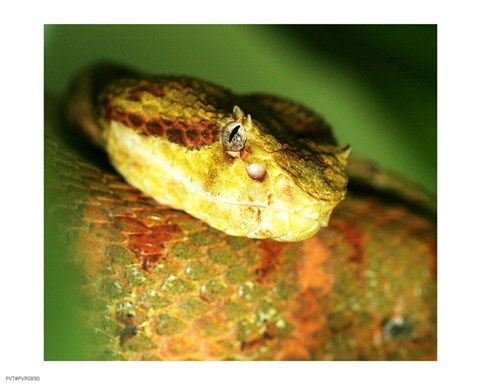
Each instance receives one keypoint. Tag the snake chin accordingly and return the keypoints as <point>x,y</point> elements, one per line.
<point>281,224</point>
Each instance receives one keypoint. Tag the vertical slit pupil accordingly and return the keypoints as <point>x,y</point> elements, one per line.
<point>233,133</point>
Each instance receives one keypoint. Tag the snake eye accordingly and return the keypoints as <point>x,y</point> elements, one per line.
<point>233,137</point>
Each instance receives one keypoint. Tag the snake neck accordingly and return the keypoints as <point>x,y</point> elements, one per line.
<point>83,94</point>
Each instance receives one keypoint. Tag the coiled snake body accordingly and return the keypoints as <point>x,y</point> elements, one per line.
<point>162,284</point>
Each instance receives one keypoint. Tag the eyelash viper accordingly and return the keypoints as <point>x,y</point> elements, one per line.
<point>160,284</point>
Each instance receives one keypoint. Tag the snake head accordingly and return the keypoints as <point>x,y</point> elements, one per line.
<point>278,186</point>
<point>246,175</point>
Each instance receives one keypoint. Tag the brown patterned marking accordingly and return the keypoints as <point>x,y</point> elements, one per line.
<point>256,344</point>
<point>206,134</point>
<point>133,226</point>
<point>115,113</point>
<point>149,261</point>
<point>135,95</point>
<point>155,128</point>
<point>185,133</point>
<point>168,123</point>
<point>269,258</point>
<point>320,162</point>
<point>156,89</point>
<point>315,281</point>
<point>355,238</point>
<point>147,244</point>
<point>297,154</point>
<point>150,244</point>
<point>192,135</point>
<point>175,136</point>
<point>292,154</point>
<point>135,119</point>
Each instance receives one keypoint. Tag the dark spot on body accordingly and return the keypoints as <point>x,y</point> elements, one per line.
<point>155,128</point>
<point>144,245</point>
<point>149,261</point>
<point>257,343</point>
<point>175,135</point>
<point>320,162</point>
<point>268,336</point>
<point>192,134</point>
<point>115,113</point>
<point>127,333</point>
<point>156,89</point>
<point>136,120</point>
<point>206,134</point>
<point>135,95</point>
<point>168,123</point>
<point>397,329</point>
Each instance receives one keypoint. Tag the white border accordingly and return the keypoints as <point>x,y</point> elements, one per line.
<point>22,188</point>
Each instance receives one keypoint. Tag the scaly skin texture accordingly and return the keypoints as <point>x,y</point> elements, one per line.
<point>163,135</point>
<point>162,285</point>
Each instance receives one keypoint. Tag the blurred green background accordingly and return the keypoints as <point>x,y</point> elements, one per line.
<point>376,85</point>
